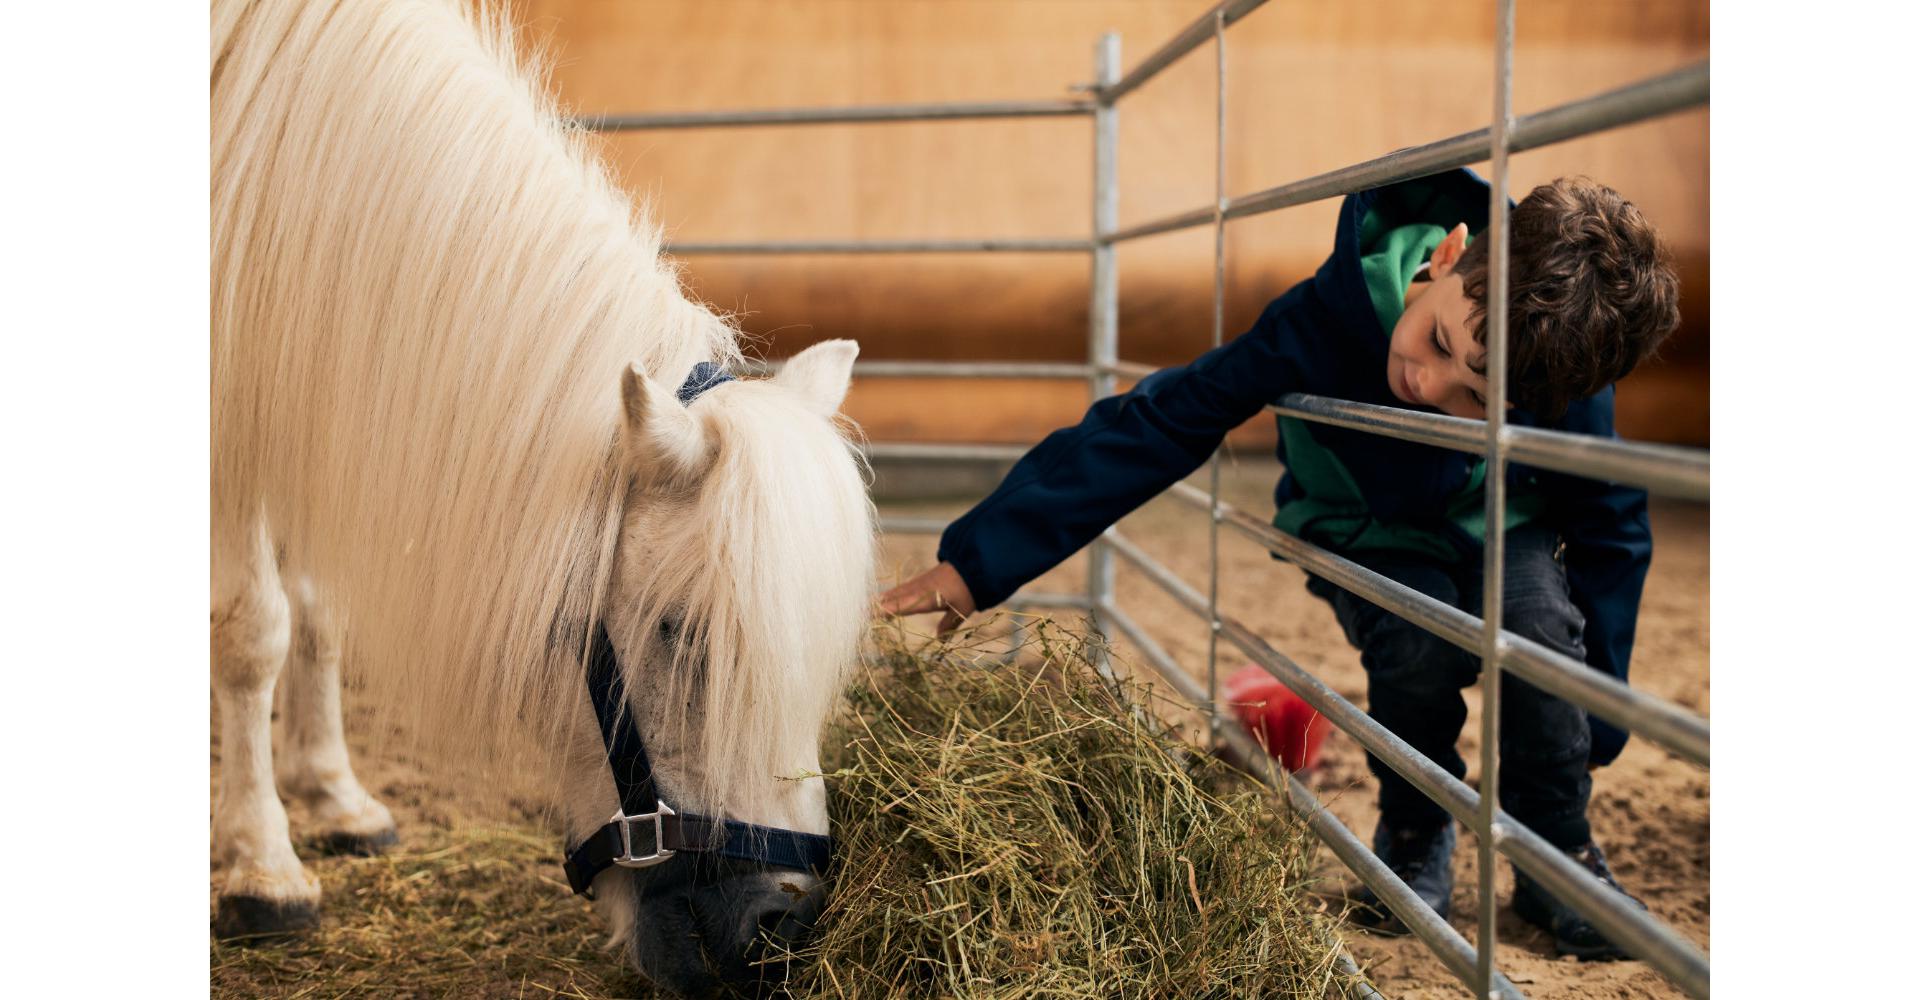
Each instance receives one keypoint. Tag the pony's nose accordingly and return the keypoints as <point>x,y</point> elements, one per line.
<point>779,914</point>
<point>752,922</point>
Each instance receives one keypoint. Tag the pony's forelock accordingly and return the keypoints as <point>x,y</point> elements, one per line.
<point>767,580</point>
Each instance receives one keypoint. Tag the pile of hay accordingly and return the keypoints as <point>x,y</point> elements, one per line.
<point>1034,829</point>
<point>1030,829</point>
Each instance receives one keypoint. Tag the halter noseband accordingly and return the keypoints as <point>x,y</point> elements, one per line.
<point>645,831</point>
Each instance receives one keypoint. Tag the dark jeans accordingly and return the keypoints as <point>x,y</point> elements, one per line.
<point>1414,681</point>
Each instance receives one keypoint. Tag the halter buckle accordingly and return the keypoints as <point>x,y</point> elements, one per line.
<point>660,852</point>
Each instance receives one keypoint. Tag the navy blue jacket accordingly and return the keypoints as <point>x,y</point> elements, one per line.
<point>1321,337</point>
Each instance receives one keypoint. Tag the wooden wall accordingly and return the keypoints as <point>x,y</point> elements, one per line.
<point>1311,86</point>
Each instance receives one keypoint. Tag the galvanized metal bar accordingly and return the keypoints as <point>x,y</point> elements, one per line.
<point>1219,312</point>
<point>913,525</point>
<point>1162,661</point>
<point>940,369</point>
<point>1103,309</point>
<point>1447,945</point>
<point>1357,986</point>
<point>1685,734</point>
<point>1168,224</point>
<point>1664,469</point>
<point>854,114</point>
<point>764,247</point>
<point>1493,564</point>
<point>1131,370</point>
<point>1627,925</point>
<point>1191,37</point>
<point>1066,602</point>
<point>902,450</point>
<point>1670,92</point>
<point>1016,638</point>
<point>1684,473</point>
<point>970,369</point>
<point>1661,95</point>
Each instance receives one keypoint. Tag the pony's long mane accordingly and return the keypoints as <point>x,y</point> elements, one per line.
<point>423,293</point>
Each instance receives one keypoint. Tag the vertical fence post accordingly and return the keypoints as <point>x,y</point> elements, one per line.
<point>1219,306</point>
<point>1493,594</point>
<point>1103,311</point>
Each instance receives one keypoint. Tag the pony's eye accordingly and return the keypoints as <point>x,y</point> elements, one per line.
<point>669,630</point>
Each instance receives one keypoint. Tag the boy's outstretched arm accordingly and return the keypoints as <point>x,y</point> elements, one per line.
<point>1127,449</point>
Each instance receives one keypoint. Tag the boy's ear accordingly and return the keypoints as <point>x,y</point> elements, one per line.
<point>1447,254</point>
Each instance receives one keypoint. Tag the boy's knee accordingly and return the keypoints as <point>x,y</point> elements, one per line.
<point>1549,619</point>
<point>1403,654</point>
<point>1557,744</point>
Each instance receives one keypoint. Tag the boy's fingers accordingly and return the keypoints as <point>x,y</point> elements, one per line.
<point>938,589</point>
<point>909,598</point>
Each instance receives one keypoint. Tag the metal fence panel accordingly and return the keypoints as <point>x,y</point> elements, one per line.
<point>1673,471</point>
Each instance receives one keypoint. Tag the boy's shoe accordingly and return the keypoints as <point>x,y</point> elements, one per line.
<point>1423,859</point>
<point>1572,933</point>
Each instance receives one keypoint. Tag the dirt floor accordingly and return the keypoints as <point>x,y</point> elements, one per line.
<point>1651,811</point>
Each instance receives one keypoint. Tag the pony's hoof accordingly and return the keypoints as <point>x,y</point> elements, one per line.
<point>254,920</point>
<point>363,845</point>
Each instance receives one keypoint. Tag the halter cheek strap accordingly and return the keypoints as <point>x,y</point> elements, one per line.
<point>704,376</point>
<point>646,831</point>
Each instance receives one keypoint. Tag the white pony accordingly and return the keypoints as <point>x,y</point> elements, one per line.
<point>443,426</point>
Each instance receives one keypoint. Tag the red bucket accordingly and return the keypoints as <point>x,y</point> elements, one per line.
<point>1289,727</point>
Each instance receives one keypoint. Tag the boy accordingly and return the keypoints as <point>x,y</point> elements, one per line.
<point>1394,317</point>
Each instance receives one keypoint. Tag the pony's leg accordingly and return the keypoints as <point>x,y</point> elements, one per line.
<point>312,765</point>
<point>266,890</point>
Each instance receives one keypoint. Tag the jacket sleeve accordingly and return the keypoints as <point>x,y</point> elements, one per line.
<point>1127,449</point>
<point>1609,547</point>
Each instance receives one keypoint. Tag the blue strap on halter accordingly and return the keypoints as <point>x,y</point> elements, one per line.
<point>704,376</point>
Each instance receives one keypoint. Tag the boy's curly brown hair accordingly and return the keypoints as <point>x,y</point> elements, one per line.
<point>1593,293</point>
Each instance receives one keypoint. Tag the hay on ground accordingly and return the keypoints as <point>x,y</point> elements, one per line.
<point>1024,829</point>
<point>474,912</point>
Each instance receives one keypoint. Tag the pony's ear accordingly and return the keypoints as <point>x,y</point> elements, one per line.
<point>820,374</point>
<point>663,440</point>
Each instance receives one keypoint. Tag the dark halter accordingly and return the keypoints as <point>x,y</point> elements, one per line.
<point>646,831</point>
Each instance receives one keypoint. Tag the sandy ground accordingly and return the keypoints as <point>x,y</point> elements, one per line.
<point>1651,811</point>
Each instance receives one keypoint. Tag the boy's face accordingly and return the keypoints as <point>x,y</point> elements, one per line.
<point>1433,359</point>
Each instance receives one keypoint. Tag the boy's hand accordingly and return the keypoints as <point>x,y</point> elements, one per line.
<point>938,589</point>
